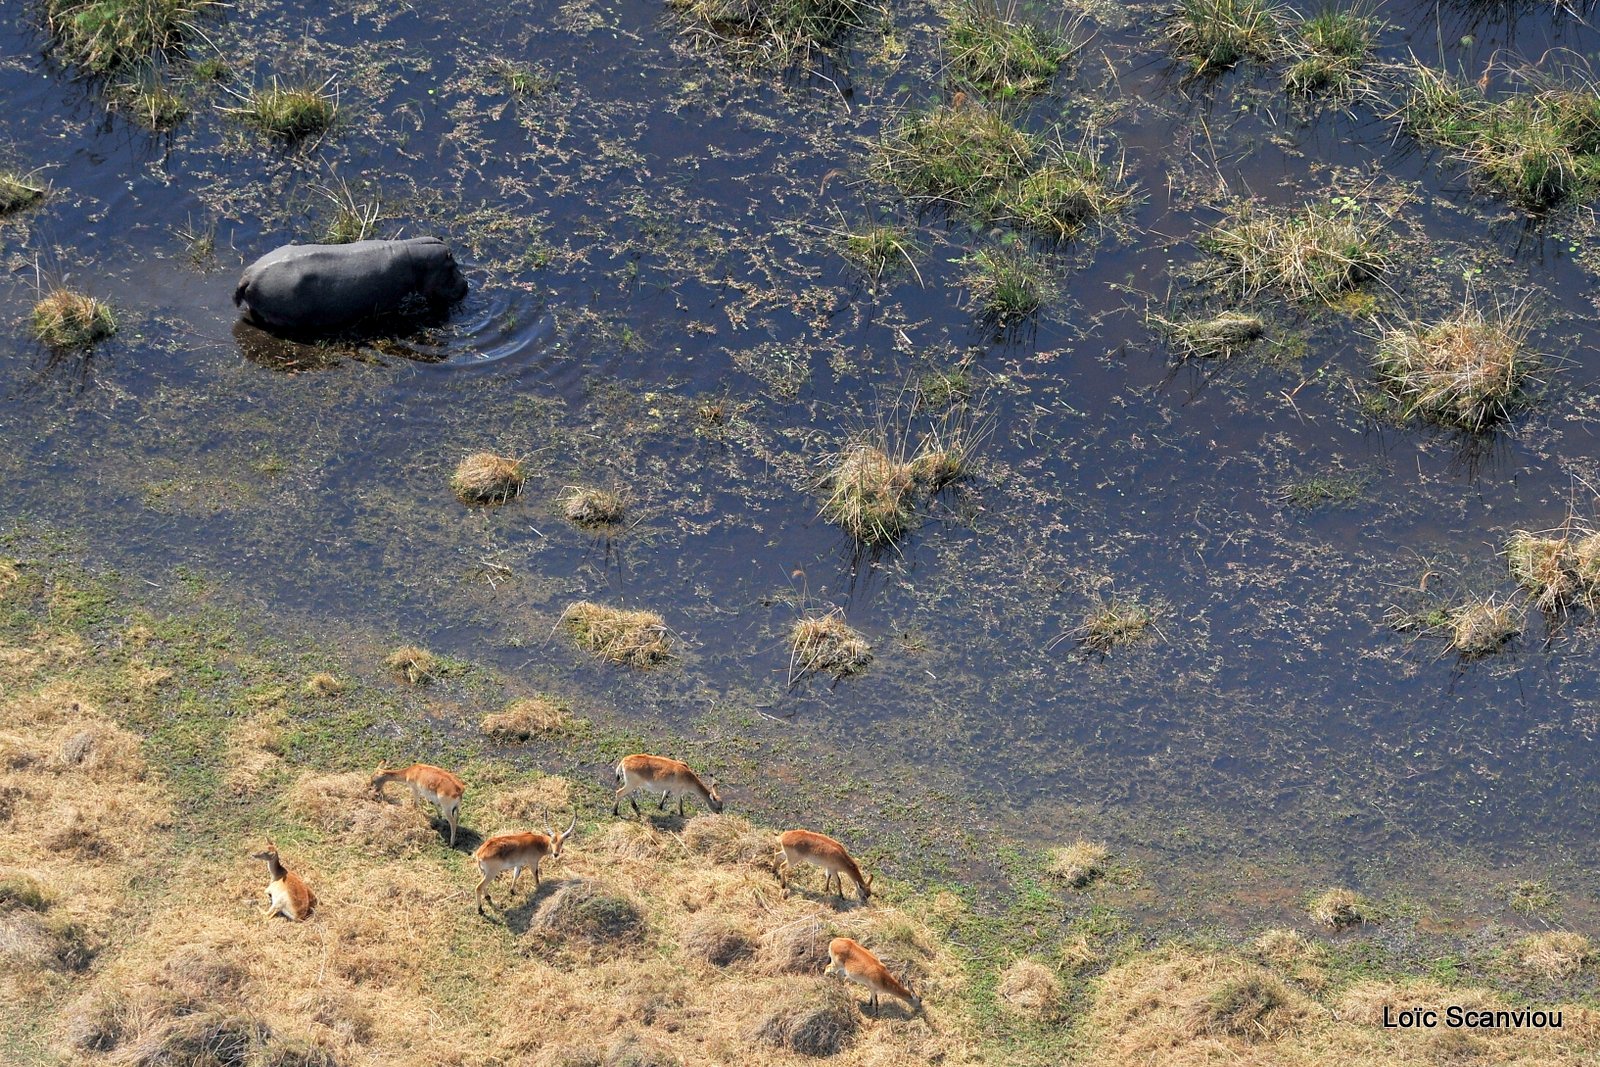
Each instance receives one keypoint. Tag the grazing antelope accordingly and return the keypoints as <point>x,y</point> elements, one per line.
<point>651,774</point>
<point>434,784</point>
<point>848,960</point>
<point>805,846</point>
<point>513,852</point>
<point>287,893</point>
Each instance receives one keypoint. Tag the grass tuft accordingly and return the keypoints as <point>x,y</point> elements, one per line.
<point>1544,567</point>
<point>1538,146</point>
<point>826,644</point>
<point>779,32</point>
<point>1007,285</point>
<point>1330,50</point>
<point>1111,623</point>
<point>67,319</point>
<point>18,191</point>
<point>878,249</point>
<point>1556,954</point>
<point>290,113</point>
<point>1223,334</point>
<point>1030,989</point>
<point>870,494</point>
<point>487,478</point>
<point>1252,1005</point>
<point>1341,908</point>
<point>586,916</point>
<point>1000,54</point>
<point>1466,371</point>
<point>323,684</point>
<point>525,719</point>
<point>1315,253</point>
<point>104,36</point>
<point>1482,627</point>
<point>153,105</point>
<point>1211,36</point>
<point>811,1021</point>
<point>593,507</point>
<point>1079,863</point>
<point>635,638</point>
<point>416,665</point>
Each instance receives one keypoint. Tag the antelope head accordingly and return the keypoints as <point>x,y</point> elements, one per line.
<point>557,840</point>
<point>270,854</point>
<point>380,777</point>
<point>713,798</point>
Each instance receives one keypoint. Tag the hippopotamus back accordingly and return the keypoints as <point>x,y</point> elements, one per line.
<point>327,288</point>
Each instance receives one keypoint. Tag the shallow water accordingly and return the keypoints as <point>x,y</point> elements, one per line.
<point>653,234</point>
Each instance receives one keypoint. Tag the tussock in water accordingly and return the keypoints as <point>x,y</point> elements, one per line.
<point>1211,36</point>
<point>826,644</point>
<point>290,113</point>
<point>593,507</point>
<point>870,494</point>
<point>18,191</point>
<point>1467,371</point>
<point>1315,252</point>
<point>417,666</point>
<point>1330,50</point>
<point>1482,627</point>
<point>1224,334</point>
<point>1339,908</point>
<point>776,31</point>
<point>487,478</point>
<point>108,35</point>
<point>67,319</point>
<point>634,638</point>
<point>1545,566</point>
<point>1001,53</point>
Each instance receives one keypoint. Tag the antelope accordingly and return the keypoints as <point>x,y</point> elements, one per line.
<point>435,785</point>
<point>848,960</point>
<point>805,846</point>
<point>642,773</point>
<point>287,893</point>
<point>513,852</point>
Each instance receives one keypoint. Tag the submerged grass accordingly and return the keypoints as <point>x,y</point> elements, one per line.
<point>104,36</point>
<point>1001,54</point>
<point>1467,370</point>
<point>1539,146</point>
<point>64,318</point>
<point>1314,253</point>
<point>1330,49</point>
<point>1211,36</point>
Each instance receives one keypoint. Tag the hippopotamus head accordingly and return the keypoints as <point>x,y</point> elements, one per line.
<point>439,280</point>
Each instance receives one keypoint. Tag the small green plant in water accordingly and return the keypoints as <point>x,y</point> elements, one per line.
<point>104,36</point>
<point>1007,285</point>
<point>776,31</point>
<point>524,81</point>
<point>211,69</point>
<point>1213,35</point>
<point>66,319</point>
<point>292,113</point>
<point>18,191</point>
<point>1000,54</point>
<point>1330,50</point>
<point>879,248</point>
<point>939,389</point>
<point>154,105</point>
<point>1318,252</point>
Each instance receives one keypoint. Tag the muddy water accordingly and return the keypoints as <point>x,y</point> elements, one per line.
<point>653,232</point>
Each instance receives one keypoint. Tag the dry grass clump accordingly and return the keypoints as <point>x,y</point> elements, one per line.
<point>1000,53</point>
<point>1223,334</point>
<point>323,684</point>
<point>1538,146</point>
<point>1250,1004</point>
<point>776,31</point>
<point>728,840</point>
<point>717,939</point>
<point>1467,371</point>
<point>525,719</point>
<point>812,1020</point>
<point>487,478</point>
<point>67,319</point>
<point>1314,253</point>
<point>17,191</point>
<point>344,806</point>
<point>416,665</point>
<point>593,507</point>
<point>108,35</point>
<point>1213,35</point>
<point>1119,621</point>
<point>828,644</point>
<point>1029,988</point>
<point>1545,567</point>
<point>587,916</point>
<point>870,494</point>
<point>1340,908</point>
<point>1481,627</point>
<point>533,804</point>
<point>799,946</point>
<point>1287,949</point>
<point>289,113</point>
<point>1079,863</point>
<point>1555,954</point>
<point>636,638</point>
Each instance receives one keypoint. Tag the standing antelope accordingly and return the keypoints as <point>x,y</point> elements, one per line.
<point>806,846</point>
<point>287,893</point>
<point>650,774</point>
<point>513,852</point>
<point>437,786</point>
<point>848,960</point>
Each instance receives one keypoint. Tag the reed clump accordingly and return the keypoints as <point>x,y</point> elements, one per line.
<point>65,318</point>
<point>826,644</point>
<point>1467,370</point>
<point>1316,252</point>
<point>630,637</point>
<point>1000,53</point>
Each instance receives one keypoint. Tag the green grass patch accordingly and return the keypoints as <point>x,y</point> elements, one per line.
<point>1211,36</point>
<point>152,104</point>
<point>289,113</point>
<point>879,249</point>
<point>776,31</point>
<point>1001,54</point>
<point>1007,284</point>
<point>104,36</point>
<point>1332,488</point>
<point>1538,147</point>
<point>1330,50</point>
<point>1318,252</point>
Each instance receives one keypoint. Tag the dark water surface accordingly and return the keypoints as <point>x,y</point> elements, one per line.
<point>654,234</point>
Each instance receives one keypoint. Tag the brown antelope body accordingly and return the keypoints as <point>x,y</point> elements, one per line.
<point>669,777</point>
<point>287,893</point>
<point>434,784</point>
<point>513,852</point>
<point>848,960</point>
<point>806,846</point>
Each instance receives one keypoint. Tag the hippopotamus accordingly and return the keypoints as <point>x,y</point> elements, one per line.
<point>321,289</point>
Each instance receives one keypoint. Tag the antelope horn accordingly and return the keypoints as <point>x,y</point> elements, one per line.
<point>571,825</point>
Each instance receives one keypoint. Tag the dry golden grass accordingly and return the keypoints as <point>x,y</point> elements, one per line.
<point>1543,566</point>
<point>323,684</point>
<point>533,804</point>
<point>870,494</point>
<point>525,719</point>
<point>729,840</point>
<point>66,319</point>
<point>1338,908</point>
<point>1079,863</point>
<point>487,478</point>
<point>1467,370</point>
<point>1030,989</point>
<point>1482,626</point>
<point>417,666</point>
<point>593,507</point>
<point>635,638</point>
<point>345,807</point>
<point>1556,954</point>
<point>826,644</point>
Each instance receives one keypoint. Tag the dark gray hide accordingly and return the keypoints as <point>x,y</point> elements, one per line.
<point>303,289</point>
